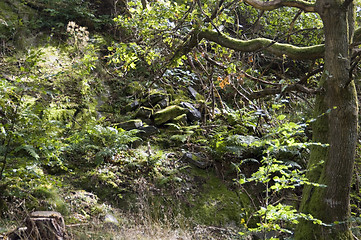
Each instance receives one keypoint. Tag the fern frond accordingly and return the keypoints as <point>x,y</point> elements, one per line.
<point>29,149</point>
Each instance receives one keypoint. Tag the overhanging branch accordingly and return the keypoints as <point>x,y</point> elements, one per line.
<point>264,44</point>
<point>267,6</point>
<point>278,49</point>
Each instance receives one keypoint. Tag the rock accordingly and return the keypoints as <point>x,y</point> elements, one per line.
<point>192,113</point>
<point>197,159</point>
<point>144,112</point>
<point>167,114</point>
<point>134,88</point>
<point>132,106</point>
<point>154,98</point>
<point>111,221</point>
<point>181,119</point>
<point>131,124</point>
<point>147,131</point>
<point>194,94</point>
<point>163,103</point>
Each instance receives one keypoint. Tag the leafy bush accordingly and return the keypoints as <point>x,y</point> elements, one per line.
<point>277,178</point>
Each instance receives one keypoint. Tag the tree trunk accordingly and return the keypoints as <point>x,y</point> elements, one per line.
<point>336,124</point>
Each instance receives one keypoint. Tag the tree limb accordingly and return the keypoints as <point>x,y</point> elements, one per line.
<point>267,6</point>
<point>278,49</point>
<point>278,90</point>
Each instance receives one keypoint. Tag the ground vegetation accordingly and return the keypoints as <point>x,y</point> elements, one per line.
<point>181,119</point>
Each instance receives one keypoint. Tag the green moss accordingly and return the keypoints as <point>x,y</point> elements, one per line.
<point>134,88</point>
<point>181,119</point>
<point>144,112</point>
<point>154,97</point>
<point>178,96</point>
<point>216,204</point>
<point>131,124</point>
<point>169,113</point>
<point>51,199</point>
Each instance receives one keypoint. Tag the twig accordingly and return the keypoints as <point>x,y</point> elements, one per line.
<point>207,17</point>
<point>258,79</point>
<point>243,96</point>
<point>293,24</point>
<point>78,224</point>
<point>309,74</point>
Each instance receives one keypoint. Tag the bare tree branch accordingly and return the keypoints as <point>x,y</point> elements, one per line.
<point>293,24</point>
<point>267,6</point>
<point>278,90</point>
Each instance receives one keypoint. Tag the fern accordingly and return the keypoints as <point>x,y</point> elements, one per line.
<point>29,149</point>
<point>101,142</point>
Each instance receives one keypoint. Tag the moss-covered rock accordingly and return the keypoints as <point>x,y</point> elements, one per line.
<point>162,104</point>
<point>144,113</point>
<point>193,114</point>
<point>131,124</point>
<point>154,97</point>
<point>194,94</point>
<point>134,88</point>
<point>181,119</point>
<point>131,106</point>
<point>167,114</point>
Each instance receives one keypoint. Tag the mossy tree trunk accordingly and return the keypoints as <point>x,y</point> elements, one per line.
<point>336,113</point>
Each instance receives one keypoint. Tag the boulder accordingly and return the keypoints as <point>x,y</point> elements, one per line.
<point>154,98</point>
<point>144,112</point>
<point>131,124</point>
<point>197,159</point>
<point>132,106</point>
<point>147,131</point>
<point>111,221</point>
<point>194,94</point>
<point>167,114</point>
<point>181,120</point>
<point>193,114</point>
<point>163,103</point>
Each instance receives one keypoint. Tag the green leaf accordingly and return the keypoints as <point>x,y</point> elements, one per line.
<point>281,117</point>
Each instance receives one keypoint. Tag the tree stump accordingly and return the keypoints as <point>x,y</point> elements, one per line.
<point>47,225</point>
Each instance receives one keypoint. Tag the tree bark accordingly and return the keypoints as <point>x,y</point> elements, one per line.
<point>336,124</point>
